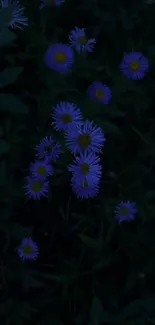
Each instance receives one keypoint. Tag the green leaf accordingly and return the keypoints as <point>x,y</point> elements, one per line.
<point>96,312</point>
<point>9,75</point>
<point>5,16</point>
<point>4,147</point>
<point>7,37</point>
<point>12,104</point>
<point>89,242</point>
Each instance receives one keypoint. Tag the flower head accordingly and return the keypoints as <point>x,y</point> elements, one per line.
<point>134,65</point>
<point>125,211</point>
<point>48,148</point>
<point>85,138</point>
<point>80,42</point>
<point>65,115</point>
<point>16,13</point>
<point>28,249</point>
<point>99,92</point>
<point>84,189</point>
<point>59,57</point>
<point>51,3</point>
<point>41,169</point>
<point>35,188</point>
<point>86,167</point>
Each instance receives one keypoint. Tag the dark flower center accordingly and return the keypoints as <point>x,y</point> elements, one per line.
<point>135,65</point>
<point>27,249</point>
<point>83,40</point>
<point>84,140</point>
<point>85,168</point>
<point>66,118</point>
<point>36,186</point>
<point>60,57</point>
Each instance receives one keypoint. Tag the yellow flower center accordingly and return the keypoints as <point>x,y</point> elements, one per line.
<point>84,168</point>
<point>85,184</point>
<point>60,57</point>
<point>36,186</point>
<point>83,40</point>
<point>124,211</point>
<point>99,93</point>
<point>84,140</point>
<point>66,118</point>
<point>27,249</point>
<point>42,171</point>
<point>135,65</point>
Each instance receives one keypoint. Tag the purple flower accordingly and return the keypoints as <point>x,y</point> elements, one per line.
<point>16,13</point>
<point>85,138</point>
<point>51,3</point>
<point>48,148</point>
<point>80,42</point>
<point>41,169</point>
<point>65,115</point>
<point>35,188</point>
<point>125,211</point>
<point>134,65</point>
<point>99,92</point>
<point>86,167</point>
<point>28,250</point>
<point>84,189</point>
<point>59,57</point>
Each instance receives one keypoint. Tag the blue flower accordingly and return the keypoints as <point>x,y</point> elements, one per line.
<point>35,188</point>
<point>86,167</point>
<point>125,211</point>
<point>41,169</point>
<point>28,250</point>
<point>59,57</point>
<point>51,3</point>
<point>84,189</point>
<point>80,42</point>
<point>16,10</point>
<point>134,65</point>
<point>65,115</point>
<point>48,149</point>
<point>85,138</point>
<point>99,92</point>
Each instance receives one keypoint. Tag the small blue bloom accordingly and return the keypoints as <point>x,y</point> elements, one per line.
<point>48,148</point>
<point>51,3</point>
<point>35,188</point>
<point>28,250</point>
<point>80,42</point>
<point>125,211</point>
<point>16,10</point>
<point>134,65</point>
<point>84,189</point>
<point>66,115</point>
<point>86,167</point>
<point>85,138</point>
<point>99,92</point>
<point>41,169</point>
<point>59,57</point>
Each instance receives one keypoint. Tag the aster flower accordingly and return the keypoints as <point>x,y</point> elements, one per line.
<point>65,115</point>
<point>41,169</point>
<point>51,3</point>
<point>80,42</point>
<point>86,167</point>
<point>84,189</point>
<point>16,10</point>
<point>134,65</point>
<point>85,138</point>
<point>35,188</point>
<point>48,148</point>
<point>59,57</point>
<point>125,211</point>
<point>28,250</point>
<point>99,92</point>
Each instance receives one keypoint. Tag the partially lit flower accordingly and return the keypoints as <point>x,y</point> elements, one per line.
<point>41,169</point>
<point>59,57</point>
<point>48,148</point>
<point>99,92</point>
<point>17,19</point>
<point>51,3</point>
<point>80,41</point>
<point>134,65</point>
<point>28,249</point>
<point>84,189</point>
<point>65,115</point>
<point>125,211</point>
<point>35,188</point>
